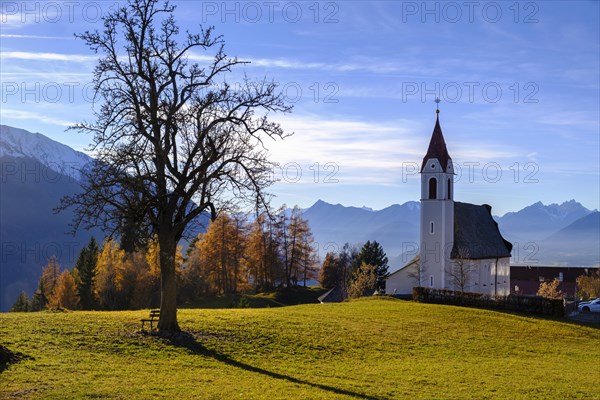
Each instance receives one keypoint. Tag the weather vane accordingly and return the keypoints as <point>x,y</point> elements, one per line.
<point>437,105</point>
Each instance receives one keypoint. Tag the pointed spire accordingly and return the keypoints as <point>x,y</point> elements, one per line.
<point>437,145</point>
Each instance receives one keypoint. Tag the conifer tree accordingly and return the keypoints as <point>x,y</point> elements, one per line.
<point>21,304</point>
<point>86,274</point>
<point>372,254</point>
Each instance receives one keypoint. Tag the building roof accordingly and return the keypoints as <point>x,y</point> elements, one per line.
<point>335,295</point>
<point>476,234</point>
<point>437,147</point>
<point>413,261</point>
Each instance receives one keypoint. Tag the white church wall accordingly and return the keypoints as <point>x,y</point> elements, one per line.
<point>400,282</point>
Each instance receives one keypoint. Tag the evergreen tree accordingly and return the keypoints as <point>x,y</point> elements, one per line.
<point>39,298</point>
<point>372,254</point>
<point>86,274</point>
<point>22,303</point>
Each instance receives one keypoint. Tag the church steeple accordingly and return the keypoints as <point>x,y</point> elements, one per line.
<point>437,147</point>
<point>437,209</point>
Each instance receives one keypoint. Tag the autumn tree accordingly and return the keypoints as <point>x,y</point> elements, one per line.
<point>46,285</point>
<point>372,254</point>
<point>65,294</point>
<point>364,281</point>
<point>21,304</point>
<point>299,253</point>
<point>86,274</point>
<point>110,276</point>
<point>337,269</point>
<point>221,251</point>
<point>589,285</point>
<point>172,139</point>
<point>145,291</point>
<point>264,256</point>
<point>346,260</point>
<point>550,289</point>
<point>329,274</point>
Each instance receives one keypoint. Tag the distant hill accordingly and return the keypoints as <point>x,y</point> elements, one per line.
<point>395,227</point>
<point>30,232</point>
<point>578,244</point>
<point>538,221</point>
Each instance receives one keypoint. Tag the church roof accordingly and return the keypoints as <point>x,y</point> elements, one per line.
<point>476,234</point>
<point>437,147</point>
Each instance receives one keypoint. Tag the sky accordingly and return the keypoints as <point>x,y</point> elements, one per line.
<point>518,83</point>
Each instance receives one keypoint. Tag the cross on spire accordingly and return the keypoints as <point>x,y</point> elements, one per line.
<point>437,105</point>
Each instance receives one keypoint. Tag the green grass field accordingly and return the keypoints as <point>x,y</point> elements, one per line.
<point>371,348</point>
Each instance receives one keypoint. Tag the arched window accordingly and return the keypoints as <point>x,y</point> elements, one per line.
<point>432,188</point>
<point>449,189</point>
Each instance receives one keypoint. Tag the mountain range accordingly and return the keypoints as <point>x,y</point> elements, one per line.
<point>37,171</point>
<point>554,234</point>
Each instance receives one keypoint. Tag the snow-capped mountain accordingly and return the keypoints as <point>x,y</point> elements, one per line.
<point>36,173</point>
<point>19,143</point>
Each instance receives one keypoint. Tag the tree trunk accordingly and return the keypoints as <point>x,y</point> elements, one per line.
<point>168,296</point>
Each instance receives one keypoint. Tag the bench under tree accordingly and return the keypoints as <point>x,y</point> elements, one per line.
<point>154,317</point>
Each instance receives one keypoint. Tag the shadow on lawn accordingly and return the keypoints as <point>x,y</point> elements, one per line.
<point>189,342</point>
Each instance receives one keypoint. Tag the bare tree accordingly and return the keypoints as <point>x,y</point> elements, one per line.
<point>417,271</point>
<point>172,138</point>
<point>460,273</point>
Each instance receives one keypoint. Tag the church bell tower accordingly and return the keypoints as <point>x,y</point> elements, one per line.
<point>437,211</point>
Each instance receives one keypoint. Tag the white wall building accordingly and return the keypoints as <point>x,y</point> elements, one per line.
<point>461,247</point>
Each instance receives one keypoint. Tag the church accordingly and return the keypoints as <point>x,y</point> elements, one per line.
<point>461,247</point>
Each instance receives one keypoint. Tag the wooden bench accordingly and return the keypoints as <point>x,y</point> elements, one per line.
<point>154,317</point>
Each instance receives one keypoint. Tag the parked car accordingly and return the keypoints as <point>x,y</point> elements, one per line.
<point>589,306</point>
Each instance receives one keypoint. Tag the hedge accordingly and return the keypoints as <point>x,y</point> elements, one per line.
<point>525,304</point>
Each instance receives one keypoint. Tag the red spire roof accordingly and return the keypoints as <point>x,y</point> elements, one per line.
<point>437,147</point>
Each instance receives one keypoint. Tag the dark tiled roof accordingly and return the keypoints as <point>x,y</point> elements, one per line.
<point>437,147</point>
<point>335,295</point>
<point>476,234</point>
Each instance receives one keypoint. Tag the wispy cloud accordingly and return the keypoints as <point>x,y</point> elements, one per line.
<point>25,55</point>
<point>42,37</point>
<point>8,114</point>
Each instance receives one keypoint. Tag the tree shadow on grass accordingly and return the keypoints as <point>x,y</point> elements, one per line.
<point>8,357</point>
<point>189,342</point>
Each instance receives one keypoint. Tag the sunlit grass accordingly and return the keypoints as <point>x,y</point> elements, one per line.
<point>372,348</point>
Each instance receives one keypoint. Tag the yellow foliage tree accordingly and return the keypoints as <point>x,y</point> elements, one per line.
<point>65,293</point>
<point>589,285</point>
<point>221,252</point>
<point>109,280</point>
<point>364,282</point>
<point>550,290</point>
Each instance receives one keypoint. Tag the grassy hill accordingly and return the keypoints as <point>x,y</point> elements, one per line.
<point>371,348</point>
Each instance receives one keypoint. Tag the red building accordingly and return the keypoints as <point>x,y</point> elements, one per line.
<point>526,279</point>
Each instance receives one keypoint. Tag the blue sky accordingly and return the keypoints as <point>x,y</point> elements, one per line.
<point>519,84</point>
